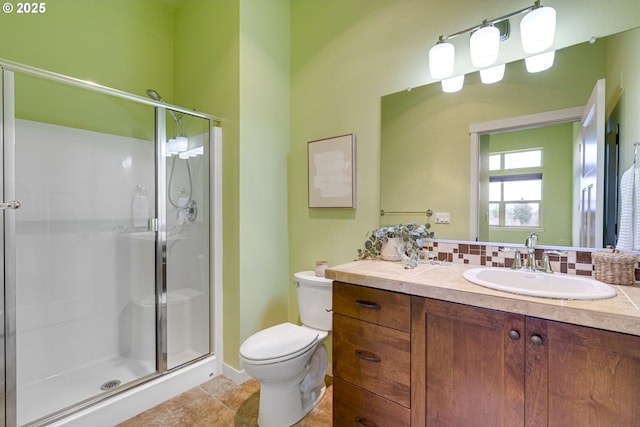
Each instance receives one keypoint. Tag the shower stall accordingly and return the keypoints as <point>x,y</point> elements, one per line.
<point>110,249</point>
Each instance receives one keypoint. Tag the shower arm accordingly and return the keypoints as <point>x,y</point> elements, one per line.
<point>151,93</point>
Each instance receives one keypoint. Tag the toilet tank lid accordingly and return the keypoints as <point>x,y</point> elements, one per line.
<point>278,341</point>
<point>310,278</point>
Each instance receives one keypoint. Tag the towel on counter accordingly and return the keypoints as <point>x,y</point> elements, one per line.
<point>629,232</point>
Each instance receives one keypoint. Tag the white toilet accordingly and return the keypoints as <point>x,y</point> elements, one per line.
<point>290,361</point>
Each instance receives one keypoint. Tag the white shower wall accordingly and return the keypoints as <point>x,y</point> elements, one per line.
<point>75,188</point>
<point>85,276</point>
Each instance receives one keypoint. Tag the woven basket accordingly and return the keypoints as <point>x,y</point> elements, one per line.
<point>614,267</point>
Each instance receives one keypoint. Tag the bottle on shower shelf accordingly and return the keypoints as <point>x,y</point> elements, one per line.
<point>140,208</point>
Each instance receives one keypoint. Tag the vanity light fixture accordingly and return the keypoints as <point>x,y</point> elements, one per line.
<point>441,59</point>
<point>182,143</point>
<point>172,147</point>
<point>492,74</point>
<point>537,28</point>
<point>484,44</point>
<point>540,62</point>
<point>452,84</point>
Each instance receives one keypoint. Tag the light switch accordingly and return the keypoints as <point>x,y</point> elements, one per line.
<point>443,217</point>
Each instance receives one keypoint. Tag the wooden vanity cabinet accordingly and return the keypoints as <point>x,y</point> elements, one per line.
<point>371,357</point>
<point>475,366</point>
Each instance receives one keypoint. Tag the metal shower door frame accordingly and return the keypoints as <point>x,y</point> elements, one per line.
<point>8,248</point>
<point>161,242</point>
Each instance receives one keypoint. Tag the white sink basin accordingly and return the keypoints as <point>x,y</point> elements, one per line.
<point>545,285</point>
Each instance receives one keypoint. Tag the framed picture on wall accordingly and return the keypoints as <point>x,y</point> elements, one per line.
<point>332,172</point>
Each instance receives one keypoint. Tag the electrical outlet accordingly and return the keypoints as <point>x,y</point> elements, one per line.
<point>443,217</point>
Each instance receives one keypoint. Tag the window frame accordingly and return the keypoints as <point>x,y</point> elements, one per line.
<point>527,173</point>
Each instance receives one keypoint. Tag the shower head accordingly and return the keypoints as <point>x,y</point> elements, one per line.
<point>156,96</point>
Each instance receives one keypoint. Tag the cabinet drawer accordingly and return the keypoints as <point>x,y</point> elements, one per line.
<point>355,407</point>
<point>373,357</point>
<point>384,308</point>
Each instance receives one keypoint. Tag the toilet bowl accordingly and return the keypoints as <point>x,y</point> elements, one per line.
<point>289,360</point>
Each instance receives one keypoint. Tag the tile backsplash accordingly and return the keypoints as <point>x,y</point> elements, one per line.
<point>574,262</point>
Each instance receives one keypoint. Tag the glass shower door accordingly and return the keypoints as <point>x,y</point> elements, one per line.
<point>84,280</point>
<point>187,286</point>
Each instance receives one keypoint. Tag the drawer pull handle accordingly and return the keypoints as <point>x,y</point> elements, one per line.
<point>368,305</point>
<point>536,339</point>
<point>514,335</point>
<point>362,422</point>
<point>367,356</point>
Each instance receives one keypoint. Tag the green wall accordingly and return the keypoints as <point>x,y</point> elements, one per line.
<point>264,146</point>
<point>232,58</point>
<point>207,63</point>
<point>122,44</point>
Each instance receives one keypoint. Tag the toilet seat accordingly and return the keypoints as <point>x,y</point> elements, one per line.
<point>278,343</point>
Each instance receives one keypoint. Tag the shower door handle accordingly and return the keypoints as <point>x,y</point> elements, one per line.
<point>10,205</point>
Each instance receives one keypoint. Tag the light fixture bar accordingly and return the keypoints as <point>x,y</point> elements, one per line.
<point>494,21</point>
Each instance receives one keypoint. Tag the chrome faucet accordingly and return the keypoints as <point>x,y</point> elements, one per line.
<point>530,243</point>
<point>546,265</point>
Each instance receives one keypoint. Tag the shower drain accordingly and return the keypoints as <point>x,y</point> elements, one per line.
<point>110,384</point>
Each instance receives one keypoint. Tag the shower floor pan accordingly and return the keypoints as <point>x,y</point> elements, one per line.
<point>46,396</point>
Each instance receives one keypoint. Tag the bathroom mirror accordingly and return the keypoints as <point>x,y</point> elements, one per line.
<point>426,152</point>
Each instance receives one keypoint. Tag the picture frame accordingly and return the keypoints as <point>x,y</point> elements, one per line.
<point>332,172</point>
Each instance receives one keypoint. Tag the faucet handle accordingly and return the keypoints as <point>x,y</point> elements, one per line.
<point>517,262</point>
<point>555,252</point>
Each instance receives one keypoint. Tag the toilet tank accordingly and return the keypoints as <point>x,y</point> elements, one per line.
<point>314,300</point>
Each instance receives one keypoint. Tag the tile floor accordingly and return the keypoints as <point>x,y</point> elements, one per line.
<point>222,403</point>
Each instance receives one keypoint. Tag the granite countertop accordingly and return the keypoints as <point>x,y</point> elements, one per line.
<point>445,282</point>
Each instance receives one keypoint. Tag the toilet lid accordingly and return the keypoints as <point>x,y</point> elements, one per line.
<point>278,341</point>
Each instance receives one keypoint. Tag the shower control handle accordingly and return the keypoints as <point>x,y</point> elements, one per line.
<point>10,205</point>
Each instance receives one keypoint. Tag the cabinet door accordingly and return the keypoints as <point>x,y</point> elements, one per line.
<point>468,365</point>
<point>580,376</point>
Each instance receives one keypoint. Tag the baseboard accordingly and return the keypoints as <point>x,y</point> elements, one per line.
<point>235,375</point>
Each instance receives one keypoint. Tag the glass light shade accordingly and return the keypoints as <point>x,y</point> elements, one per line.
<point>492,74</point>
<point>484,45</point>
<point>172,147</point>
<point>540,62</point>
<point>537,29</point>
<point>441,60</point>
<point>182,143</point>
<point>454,84</point>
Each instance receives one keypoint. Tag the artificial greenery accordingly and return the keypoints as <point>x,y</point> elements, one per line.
<point>411,236</point>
